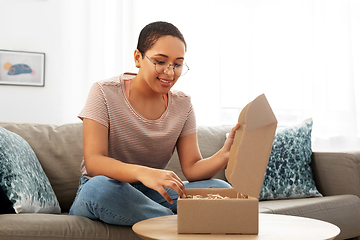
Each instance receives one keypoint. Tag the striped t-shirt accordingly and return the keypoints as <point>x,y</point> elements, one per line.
<point>133,138</point>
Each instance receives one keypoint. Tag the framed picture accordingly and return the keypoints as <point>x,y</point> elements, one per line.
<point>22,68</point>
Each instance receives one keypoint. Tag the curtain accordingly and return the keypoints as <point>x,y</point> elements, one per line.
<point>304,55</point>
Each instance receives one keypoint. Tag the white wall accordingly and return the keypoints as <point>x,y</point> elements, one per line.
<point>37,26</point>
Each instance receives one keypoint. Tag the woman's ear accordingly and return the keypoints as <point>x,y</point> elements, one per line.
<point>137,58</point>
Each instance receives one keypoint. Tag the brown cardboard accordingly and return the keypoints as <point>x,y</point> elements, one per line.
<point>249,156</point>
<point>250,152</point>
<point>217,216</point>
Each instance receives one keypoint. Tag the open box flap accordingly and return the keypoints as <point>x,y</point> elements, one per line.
<point>250,152</point>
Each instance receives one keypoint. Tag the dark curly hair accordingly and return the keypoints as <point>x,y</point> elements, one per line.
<point>153,31</point>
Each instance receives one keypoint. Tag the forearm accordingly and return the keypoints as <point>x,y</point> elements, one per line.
<point>206,168</point>
<point>194,167</point>
<point>156,179</point>
<point>106,166</point>
<point>97,163</point>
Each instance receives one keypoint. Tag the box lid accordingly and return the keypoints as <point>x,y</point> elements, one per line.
<point>250,152</point>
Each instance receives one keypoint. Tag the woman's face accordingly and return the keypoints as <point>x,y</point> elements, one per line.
<point>167,49</point>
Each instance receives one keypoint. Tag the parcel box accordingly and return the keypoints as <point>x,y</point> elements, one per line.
<point>249,156</point>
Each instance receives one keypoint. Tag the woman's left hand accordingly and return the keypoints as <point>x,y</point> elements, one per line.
<point>229,141</point>
<point>194,166</point>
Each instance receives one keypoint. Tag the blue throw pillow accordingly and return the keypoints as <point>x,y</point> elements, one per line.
<point>288,174</point>
<point>22,177</point>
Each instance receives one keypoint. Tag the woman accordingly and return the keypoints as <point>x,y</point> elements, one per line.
<point>131,126</point>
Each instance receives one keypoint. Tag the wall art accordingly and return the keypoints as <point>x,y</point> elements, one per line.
<point>22,68</point>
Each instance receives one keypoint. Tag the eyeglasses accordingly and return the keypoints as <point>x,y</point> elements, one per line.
<point>180,69</point>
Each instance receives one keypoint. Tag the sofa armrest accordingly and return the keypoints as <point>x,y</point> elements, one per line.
<point>337,173</point>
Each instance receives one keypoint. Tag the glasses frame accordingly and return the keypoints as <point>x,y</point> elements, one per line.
<point>170,65</point>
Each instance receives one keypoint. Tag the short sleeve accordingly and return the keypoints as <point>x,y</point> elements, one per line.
<point>96,107</point>
<point>190,123</point>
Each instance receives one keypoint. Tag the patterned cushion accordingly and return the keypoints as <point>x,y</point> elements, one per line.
<point>288,173</point>
<point>22,177</point>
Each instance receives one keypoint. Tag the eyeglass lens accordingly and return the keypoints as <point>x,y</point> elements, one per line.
<point>164,67</point>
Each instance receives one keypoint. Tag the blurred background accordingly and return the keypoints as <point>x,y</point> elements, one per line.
<point>304,55</point>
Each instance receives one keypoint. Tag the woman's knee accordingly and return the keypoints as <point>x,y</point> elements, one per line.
<point>218,183</point>
<point>102,187</point>
<point>92,187</point>
<point>98,180</point>
<point>209,183</point>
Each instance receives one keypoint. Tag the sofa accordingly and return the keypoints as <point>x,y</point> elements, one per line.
<point>59,150</point>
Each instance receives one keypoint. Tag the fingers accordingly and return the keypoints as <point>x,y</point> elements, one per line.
<point>179,183</point>
<point>176,184</point>
<point>167,197</point>
<point>229,141</point>
<point>159,179</point>
<point>233,130</point>
<point>173,185</point>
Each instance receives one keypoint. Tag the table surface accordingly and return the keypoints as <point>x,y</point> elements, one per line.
<point>271,226</point>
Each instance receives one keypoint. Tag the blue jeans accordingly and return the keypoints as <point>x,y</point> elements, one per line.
<point>108,200</point>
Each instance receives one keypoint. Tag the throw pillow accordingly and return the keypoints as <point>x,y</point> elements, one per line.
<point>22,177</point>
<point>288,174</point>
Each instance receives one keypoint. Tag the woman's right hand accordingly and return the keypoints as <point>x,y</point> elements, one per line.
<point>98,163</point>
<point>158,179</point>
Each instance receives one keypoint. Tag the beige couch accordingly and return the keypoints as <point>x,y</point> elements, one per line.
<point>60,151</point>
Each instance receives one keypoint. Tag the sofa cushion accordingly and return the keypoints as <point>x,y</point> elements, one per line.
<point>60,152</point>
<point>341,210</point>
<point>337,173</point>
<point>288,174</point>
<point>60,227</point>
<point>23,178</point>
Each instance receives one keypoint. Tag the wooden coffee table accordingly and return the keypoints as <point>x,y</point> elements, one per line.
<point>271,226</point>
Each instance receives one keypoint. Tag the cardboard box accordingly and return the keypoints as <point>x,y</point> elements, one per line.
<point>249,156</point>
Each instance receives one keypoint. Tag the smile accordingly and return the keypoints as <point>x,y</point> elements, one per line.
<point>165,81</point>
